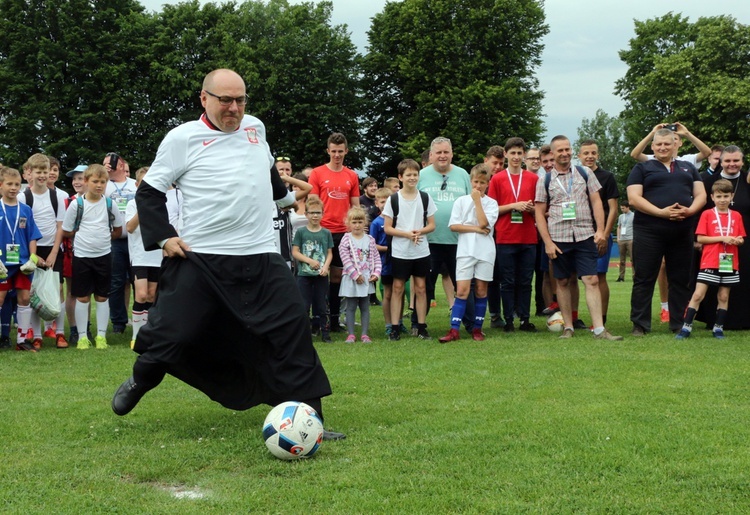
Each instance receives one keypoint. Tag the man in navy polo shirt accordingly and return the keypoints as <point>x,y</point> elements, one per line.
<point>666,194</point>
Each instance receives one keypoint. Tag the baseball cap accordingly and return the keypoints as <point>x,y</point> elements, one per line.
<point>77,169</point>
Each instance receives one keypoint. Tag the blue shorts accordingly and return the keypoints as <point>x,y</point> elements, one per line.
<point>602,264</point>
<point>577,257</point>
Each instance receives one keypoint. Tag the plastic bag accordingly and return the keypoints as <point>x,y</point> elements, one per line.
<point>45,294</point>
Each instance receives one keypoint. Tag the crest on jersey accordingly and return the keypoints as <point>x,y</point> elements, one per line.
<point>252,135</point>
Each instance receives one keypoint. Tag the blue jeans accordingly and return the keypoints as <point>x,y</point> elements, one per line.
<point>516,268</point>
<point>118,311</point>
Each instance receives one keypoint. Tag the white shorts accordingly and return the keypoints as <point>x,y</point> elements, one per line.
<point>469,267</point>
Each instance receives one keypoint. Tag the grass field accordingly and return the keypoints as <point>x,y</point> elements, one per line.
<point>516,424</point>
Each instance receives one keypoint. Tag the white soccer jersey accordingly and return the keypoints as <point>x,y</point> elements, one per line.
<point>44,217</point>
<point>198,158</point>
<point>93,238</point>
<point>480,246</point>
<point>410,217</point>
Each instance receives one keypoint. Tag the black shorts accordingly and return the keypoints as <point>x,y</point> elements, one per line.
<point>405,268</point>
<point>92,275</point>
<point>337,237</point>
<point>386,280</point>
<point>713,276</point>
<point>43,252</point>
<point>150,273</point>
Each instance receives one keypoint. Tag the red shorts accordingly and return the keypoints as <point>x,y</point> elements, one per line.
<point>67,257</point>
<point>17,281</point>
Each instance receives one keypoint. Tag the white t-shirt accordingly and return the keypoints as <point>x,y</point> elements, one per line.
<point>93,237</point>
<point>410,218</point>
<point>138,255</point>
<point>473,244</point>
<point>236,166</point>
<point>46,219</point>
<point>121,193</point>
<point>174,208</point>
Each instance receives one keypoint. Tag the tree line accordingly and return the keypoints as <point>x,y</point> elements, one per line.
<point>81,78</point>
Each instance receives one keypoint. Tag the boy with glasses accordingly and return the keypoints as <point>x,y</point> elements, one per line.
<point>313,249</point>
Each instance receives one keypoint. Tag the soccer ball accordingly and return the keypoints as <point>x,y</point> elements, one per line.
<point>555,322</point>
<point>293,430</point>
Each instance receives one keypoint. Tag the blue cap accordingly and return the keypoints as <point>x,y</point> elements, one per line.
<point>77,169</point>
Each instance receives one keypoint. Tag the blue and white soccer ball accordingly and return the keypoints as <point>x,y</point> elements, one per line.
<point>293,430</point>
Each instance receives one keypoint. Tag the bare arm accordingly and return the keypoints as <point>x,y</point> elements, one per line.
<point>304,187</point>
<point>703,150</point>
<point>637,152</point>
<point>612,218</point>
<point>132,224</point>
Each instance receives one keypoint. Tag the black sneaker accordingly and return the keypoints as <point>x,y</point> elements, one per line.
<point>422,334</point>
<point>4,342</point>
<point>326,337</point>
<point>497,322</point>
<point>394,336</point>
<point>118,328</point>
<point>333,435</point>
<point>579,324</point>
<point>25,345</point>
<point>527,327</point>
<point>127,396</point>
<point>508,328</point>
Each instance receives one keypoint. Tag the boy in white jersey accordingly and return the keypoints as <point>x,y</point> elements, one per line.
<point>473,218</point>
<point>410,251</point>
<point>95,222</point>
<point>144,264</point>
<point>48,209</point>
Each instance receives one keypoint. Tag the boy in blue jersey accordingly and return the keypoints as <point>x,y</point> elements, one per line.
<point>18,237</point>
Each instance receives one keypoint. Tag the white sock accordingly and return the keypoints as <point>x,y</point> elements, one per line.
<point>36,324</point>
<point>82,317</point>
<point>139,320</point>
<point>665,306</point>
<point>61,319</point>
<point>23,313</point>
<point>102,317</point>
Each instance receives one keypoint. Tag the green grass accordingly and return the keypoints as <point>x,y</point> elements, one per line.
<point>516,424</point>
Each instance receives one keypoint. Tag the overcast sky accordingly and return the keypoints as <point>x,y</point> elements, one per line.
<point>580,63</point>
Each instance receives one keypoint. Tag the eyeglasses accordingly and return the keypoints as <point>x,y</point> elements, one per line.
<point>445,183</point>
<point>281,158</point>
<point>227,101</point>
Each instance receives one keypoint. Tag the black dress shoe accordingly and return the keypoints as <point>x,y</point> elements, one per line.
<point>332,435</point>
<point>127,396</point>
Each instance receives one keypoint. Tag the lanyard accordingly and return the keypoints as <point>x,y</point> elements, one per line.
<point>516,193</point>
<point>721,229</point>
<point>15,227</point>
<point>119,190</point>
<point>570,182</point>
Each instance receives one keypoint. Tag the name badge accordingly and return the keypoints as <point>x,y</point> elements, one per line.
<point>12,254</point>
<point>726,260</point>
<point>516,217</point>
<point>623,231</point>
<point>569,210</point>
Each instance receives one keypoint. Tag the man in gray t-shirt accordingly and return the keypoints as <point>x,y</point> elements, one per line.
<point>625,237</point>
